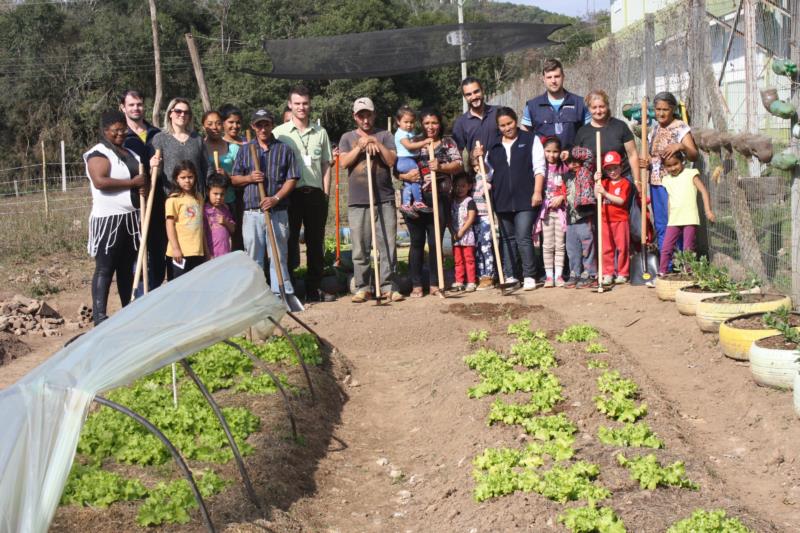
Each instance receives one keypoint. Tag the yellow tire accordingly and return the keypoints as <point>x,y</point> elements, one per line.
<point>687,301</point>
<point>735,342</point>
<point>666,288</point>
<point>710,314</point>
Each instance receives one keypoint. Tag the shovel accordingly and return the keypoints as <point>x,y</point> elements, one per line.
<point>141,260</point>
<point>289,300</point>
<point>492,225</point>
<point>338,262</point>
<point>644,267</point>
<point>436,224</point>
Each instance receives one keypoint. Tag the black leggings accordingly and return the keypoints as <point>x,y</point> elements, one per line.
<point>419,230</point>
<point>117,259</point>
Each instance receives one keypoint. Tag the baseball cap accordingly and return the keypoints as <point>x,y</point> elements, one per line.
<point>260,115</point>
<point>363,103</point>
<point>612,159</point>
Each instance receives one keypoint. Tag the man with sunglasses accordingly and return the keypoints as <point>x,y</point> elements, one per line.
<point>279,172</point>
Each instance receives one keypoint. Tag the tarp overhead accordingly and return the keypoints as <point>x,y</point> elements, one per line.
<point>390,52</point>
<point>42,414</point>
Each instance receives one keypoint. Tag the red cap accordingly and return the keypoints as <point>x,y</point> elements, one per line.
<point>612,159</point>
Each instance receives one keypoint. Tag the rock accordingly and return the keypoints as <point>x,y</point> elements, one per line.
<point>46,311</point>
<point>399,514</point>
<point>396,474</point>
<point>383,461</point>
<point>404,494</point>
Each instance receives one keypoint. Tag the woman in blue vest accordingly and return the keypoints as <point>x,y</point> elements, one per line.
<point>517,163</point>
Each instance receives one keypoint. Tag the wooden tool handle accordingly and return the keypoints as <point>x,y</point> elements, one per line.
<point>262,193</point>
<point>492,227</point>
<point>644,175</point>
<point>216,160</point>
<point>599,159</point>
<point>436,222</point>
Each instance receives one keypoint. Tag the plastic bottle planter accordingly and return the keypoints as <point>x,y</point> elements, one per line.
<point>735,341</point>
<point>768,96</point>
<point>666,287</point>
<point>711,312</point>
<point>784,67</point>
<point>773,367</point>
<point>776,106</point>
<point>796,131</point>
<point>784,161</point>
<point>687,300</point>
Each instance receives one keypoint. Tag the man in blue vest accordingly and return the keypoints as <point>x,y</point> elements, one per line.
<point>556,112</point>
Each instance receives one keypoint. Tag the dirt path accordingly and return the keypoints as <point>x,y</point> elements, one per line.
<point>399,458</point>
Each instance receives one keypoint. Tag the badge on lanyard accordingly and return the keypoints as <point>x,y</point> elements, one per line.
<point>307,160</point>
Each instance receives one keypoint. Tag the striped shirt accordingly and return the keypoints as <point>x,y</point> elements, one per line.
<point>277,163</point>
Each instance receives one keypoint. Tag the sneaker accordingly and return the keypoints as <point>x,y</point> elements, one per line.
<point>471,287</point>
<point>528,284</point>
<point>619,280</point>
<point>511,282</point>
<point>421,207</point>
<point>485,283</point>
<point>361,297</point>
<point>650,284</point>
<point>587,283</point>
<point>320,296</point>
<point>560,281</point>
<point>549,283</point>
<point>457,286</point>
<point>571,283</point>
<point>409,211</point>
<point>608,280</point>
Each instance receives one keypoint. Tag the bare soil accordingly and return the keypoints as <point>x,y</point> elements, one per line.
<point>756,321</point>
<point>777,342</point>
<point>388,445</point>
<point>11,348</point>
<point>745,298</point>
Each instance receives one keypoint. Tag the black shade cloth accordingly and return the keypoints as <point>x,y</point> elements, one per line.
<point>390,52</point>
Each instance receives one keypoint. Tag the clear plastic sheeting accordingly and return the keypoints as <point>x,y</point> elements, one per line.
<point>41,415</point>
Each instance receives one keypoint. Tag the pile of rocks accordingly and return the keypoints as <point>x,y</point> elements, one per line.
<point>28,316</point>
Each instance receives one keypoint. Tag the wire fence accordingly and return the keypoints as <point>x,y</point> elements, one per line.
<point>687,49</point>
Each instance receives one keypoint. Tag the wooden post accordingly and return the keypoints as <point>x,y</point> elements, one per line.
<point>44,182</point>
<point>750,74</point>
<point>198,72</point>
<point>63,169</point>
<point>649,57</point>
<point>16,188</point>
<point>157,61</point>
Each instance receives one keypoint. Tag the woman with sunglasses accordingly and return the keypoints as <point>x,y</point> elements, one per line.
<point>177,142</point>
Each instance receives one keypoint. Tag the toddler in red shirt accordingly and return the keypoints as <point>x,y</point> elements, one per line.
<point>615,191</point>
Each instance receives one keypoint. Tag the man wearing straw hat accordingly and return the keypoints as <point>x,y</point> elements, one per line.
<point>355,146</point>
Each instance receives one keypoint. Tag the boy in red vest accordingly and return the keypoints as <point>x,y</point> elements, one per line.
<point>615,191</point>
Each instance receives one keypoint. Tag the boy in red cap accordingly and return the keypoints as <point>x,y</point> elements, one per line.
<point>615,191</point>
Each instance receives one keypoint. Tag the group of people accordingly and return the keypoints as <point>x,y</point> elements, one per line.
<point>539,175</point>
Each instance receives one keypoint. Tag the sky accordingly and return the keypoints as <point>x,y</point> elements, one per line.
<point>573,8</point>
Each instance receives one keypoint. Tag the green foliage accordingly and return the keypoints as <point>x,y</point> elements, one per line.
<point>686,262</point>
<point>263,384</point>
<point>478,335</point>
<point>499,375</point>
<point>90,485</point>
<point>279,350</point>
<point>590,519</point>
<point>595,347</point>
<point>522,331</point>
<point>650,474</point>
<point>533,353</point>
<point>192,427</point>
<point>703,521</point>
<point>596,363</point>
<point>638,435</point>
<point>542,400</point>
<point>780,320</point>
<point>578,333</point>
<point>218,365</point>
<point>616,400</point>
<point>170,503</point>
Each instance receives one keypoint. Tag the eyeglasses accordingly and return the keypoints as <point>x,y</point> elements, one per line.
<point>181,111</point>
<point>117,131</point>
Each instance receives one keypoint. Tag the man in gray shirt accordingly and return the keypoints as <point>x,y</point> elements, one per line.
<point>354,146</point>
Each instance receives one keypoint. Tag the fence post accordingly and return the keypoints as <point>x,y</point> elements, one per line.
<point>63,169</point>
<point>16,189</point>
<point>44,183</point>
<point>795,147</point>
<point>750,74</point>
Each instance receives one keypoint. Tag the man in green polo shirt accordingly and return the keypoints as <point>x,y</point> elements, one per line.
<point>309,200</point>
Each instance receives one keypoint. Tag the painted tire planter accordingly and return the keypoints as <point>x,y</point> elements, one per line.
<point>796,393</point>
<point>735,341</point>
<point>687,300</point>
<point>666,287</point>
<point>773,367</point>
<point>711,313</point>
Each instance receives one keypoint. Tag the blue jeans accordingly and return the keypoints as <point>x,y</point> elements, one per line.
<point>581,248</point>
<point>412,192</point>
<point>254,235</point>
<point>516,229</point>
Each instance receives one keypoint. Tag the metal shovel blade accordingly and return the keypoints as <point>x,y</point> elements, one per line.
<point>644,267</point>
<point>293,303</point>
